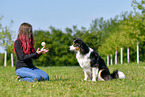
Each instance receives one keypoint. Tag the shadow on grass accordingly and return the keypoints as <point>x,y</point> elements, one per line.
<point>59,79</point>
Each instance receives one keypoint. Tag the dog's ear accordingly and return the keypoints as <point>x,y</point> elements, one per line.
<point>82,50</point>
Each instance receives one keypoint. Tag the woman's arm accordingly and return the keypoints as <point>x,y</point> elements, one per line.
<point>20,53</point>
<point>37,56</point>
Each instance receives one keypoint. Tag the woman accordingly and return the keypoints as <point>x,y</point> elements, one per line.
<point>25,52</point>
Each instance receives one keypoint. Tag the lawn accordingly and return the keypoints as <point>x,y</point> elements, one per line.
<point>68,82</point>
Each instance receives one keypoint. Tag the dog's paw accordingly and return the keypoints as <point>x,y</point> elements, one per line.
<point>94,80</point>
<point>85,79</point>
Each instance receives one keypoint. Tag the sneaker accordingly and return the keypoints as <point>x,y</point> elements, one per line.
<point>18,78</point>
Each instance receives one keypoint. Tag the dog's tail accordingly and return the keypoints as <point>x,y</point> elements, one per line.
<point>118,74</point>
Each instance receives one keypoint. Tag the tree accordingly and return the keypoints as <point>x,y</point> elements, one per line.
<point>58,44</point>
<point>129,31</point>
<point>6,40</point>
<point>5,35</point>
<point>139,5</point>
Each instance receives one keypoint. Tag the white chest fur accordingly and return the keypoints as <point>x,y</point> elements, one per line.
<point>84,60</point>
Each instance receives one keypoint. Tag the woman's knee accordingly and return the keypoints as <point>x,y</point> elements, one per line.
<point>36,77</point>
<point>42,73</point>
<point>45,77</point>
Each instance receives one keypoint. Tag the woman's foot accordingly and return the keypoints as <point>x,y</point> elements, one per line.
<point>18,78</point>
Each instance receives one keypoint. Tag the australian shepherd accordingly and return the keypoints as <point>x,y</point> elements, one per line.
<point>93,65</point>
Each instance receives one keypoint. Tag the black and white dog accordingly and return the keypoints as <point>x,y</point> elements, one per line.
<point>93,65</point>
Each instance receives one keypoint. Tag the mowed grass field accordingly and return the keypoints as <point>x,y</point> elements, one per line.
<point>68,82</point>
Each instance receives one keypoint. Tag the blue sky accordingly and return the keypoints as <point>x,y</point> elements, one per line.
<point>59,13</point>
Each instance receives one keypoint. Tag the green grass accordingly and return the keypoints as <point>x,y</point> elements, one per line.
<point>68,82</point>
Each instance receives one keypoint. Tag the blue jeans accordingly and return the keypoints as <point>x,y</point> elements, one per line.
<point>31,74</point>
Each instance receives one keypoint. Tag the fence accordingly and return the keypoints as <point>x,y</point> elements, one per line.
<point>5,59</point>
<point>121,60</point>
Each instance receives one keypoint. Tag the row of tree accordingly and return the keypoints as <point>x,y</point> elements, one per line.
<point>104,36</point>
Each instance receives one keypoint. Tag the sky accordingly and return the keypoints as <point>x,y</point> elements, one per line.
<point>42,14</point>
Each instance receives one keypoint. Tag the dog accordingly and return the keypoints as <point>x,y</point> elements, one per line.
<point>93,65</point>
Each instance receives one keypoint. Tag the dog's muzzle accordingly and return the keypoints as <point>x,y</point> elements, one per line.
<point>72,48</point>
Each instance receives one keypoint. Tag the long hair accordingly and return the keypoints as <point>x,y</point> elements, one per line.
<point>26,37</point>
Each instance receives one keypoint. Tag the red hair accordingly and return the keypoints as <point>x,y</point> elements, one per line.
<point>26,37</point>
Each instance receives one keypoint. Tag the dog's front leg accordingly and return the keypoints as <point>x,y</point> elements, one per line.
<point>86,76</point>
<point>94,73</point>
<point>87,73</point>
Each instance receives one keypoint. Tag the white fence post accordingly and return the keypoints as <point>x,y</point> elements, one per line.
<point>128,54</point>
<point>107,60</point>
<point>5,59</point>
<point>121,55</point>
<point>12,60</point>
<point>116,57</point>
<point>137,52</point>
<point>111,59</point>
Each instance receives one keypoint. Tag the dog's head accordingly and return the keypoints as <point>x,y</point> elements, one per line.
<point>80,46</point>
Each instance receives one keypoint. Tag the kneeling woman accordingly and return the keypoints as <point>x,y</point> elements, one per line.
<point>25,52</point>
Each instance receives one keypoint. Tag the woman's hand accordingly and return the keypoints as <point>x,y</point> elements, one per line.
<point>42,50</point>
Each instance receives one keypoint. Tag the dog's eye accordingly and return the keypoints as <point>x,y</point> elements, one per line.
<point>74,45</point>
